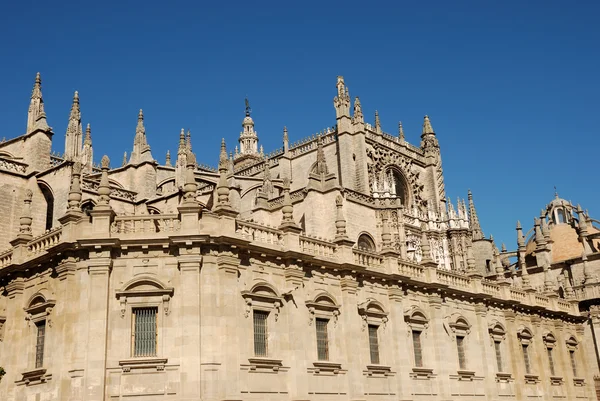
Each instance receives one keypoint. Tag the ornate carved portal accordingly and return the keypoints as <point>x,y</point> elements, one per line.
<point>392,175</point>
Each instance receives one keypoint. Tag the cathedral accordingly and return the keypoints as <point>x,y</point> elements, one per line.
<point>331,269</point>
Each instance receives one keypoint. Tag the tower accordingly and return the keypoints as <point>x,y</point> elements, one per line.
<point>248,138</point>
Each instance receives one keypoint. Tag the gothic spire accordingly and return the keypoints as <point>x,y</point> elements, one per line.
<point>477,232</point>
<point>427,128</point>
<point>168,159</point>
<point>286,140</point>
<point>358,114</point>
<point>341,102</point>
<point>87,156</point>
<point>188,140</point>
<point>400,131</point>
<point>74,133</point>
<point>321,163</point>
<point>36,117</point>
<point>377,122</point>
<point>141,149</point>
<point>223,162</point>
<point>181,150</point>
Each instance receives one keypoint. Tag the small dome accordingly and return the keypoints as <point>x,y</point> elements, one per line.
<point>248,121</point>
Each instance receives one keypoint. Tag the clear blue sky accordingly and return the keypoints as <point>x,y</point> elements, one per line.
<point>511,86</point>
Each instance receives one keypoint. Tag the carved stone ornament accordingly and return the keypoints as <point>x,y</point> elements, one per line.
<point>262,296</point>
<point>372,312</point>
<point>323,306</point>
<point>382,160</point>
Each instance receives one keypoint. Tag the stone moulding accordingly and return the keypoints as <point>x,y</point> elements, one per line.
<point>326,367</point>
<point>422,373</point>
<point>34,376</point>
<point>265,363</point>
<point>143,363</point>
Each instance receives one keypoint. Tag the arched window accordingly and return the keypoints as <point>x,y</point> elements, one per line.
<point>49,197</point>
<point>525,338</point>
<point>400,190</point>
<point>498,334</point>
<point>366,243</point>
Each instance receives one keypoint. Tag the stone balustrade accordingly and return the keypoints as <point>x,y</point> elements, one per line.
<point>255,232</point>
<point>164,225</point>
<point>145,224</point>
<point>317,247</point>
<point>368,259</point>
<point>6,258</point>
<point>44,242</point>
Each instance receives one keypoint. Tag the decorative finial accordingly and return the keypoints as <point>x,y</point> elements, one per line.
<point>223,162</point>
<point>286,140</point>
<point>248,109</point>
<point>124,163</point>
<point>25,220</point>
<point>555,192</point>
<point>190,187</point>
<point>168,159</point>
<point>377,122</point>
<point>74,197</point>
<point>104,187</point>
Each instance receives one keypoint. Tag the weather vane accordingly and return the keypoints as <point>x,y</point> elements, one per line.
<point>248,109</point>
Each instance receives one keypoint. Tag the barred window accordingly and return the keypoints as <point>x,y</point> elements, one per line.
<point>573,362</point>
<point>260,332</point>
<point>322,340</point>
<point>416,337</point>
<point>144,331</point>
<point>551,361</point>
<point>460,345</point>
<point>497,347</point>
<point>526,358</point>
<point>374,344</point>
<point>39,344</point>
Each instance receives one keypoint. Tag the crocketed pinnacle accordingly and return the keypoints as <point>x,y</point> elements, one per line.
<point>88,135</point>
<point>74,132</point>
<point>477,232</point>
<point>358,114</point>
<point>427,128</point>
<point>377,122</point>
<point>188,140</point>
<point>400,131</point>
<point>223,161</point>
<point>141,149</point>
<point>181,150</point>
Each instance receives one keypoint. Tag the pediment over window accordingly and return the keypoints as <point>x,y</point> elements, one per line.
<point>416,318</point>
<point>262,296</point>
<point>323,305</point>
<point>525,335</point>
<point>372,312</point>
<point>459,324</point>
<point>497,330</point>
<point>144,286</point>
<point>39,306</point>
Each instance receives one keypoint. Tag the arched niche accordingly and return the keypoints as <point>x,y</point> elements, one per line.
<point>49,198</point>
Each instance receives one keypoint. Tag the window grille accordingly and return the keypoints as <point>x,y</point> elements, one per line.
<point>322,340</point>
<point>498,355</point>
<point>260,332</point>
<point>526,358</point>
<point>144,331</point>
<point>39,344</point>
<point>551,361</point>
<point>374,344</point>
<point>416,336</point>
<point>460,345</point>
<point>573,362</point>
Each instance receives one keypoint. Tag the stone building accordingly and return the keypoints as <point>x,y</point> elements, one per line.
<point>334,268</point>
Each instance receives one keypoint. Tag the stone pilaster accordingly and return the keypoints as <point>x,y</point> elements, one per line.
<point>353,334</point>
<point>228,266</point>
<point>189,261</point>
<point>99,268</point>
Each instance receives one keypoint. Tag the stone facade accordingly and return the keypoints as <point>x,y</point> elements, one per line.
<point>333,268</point>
